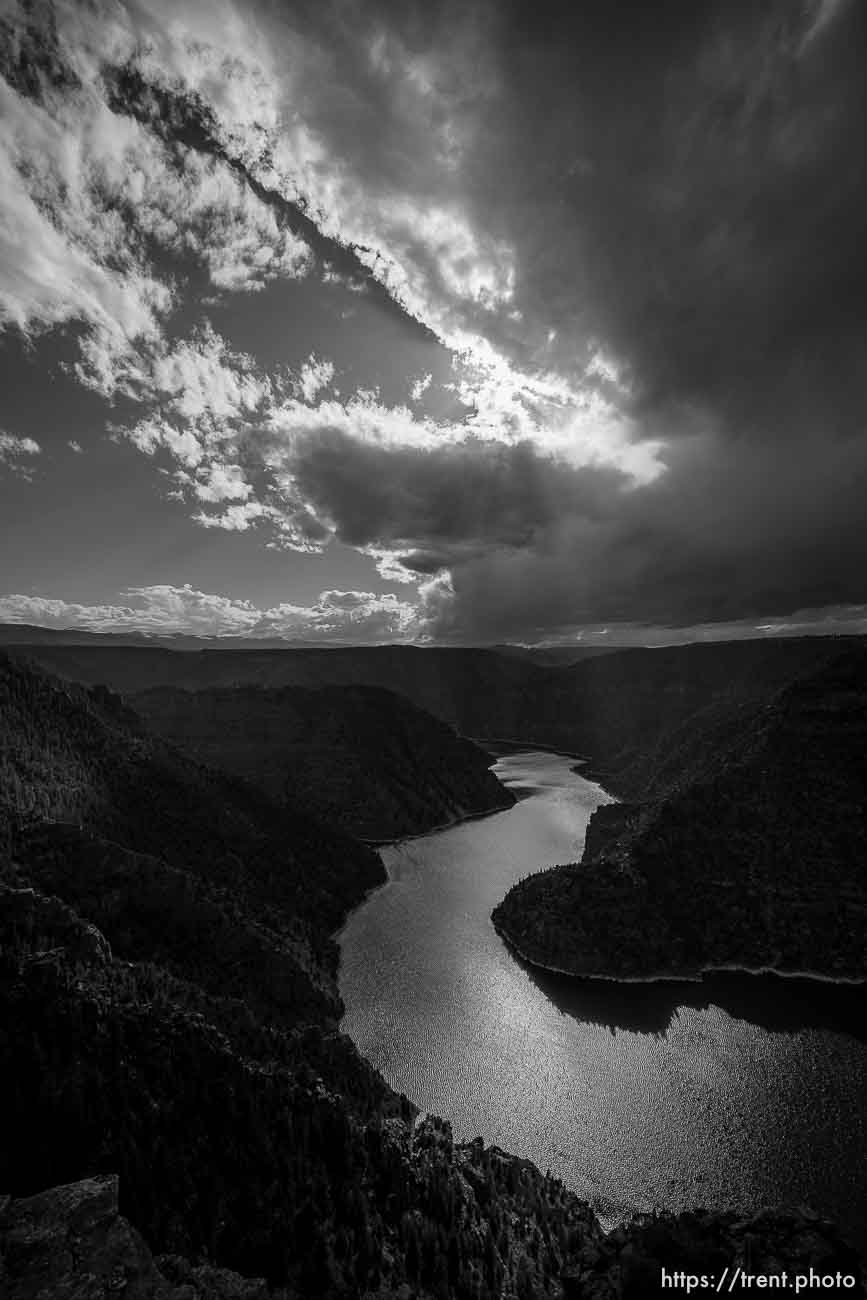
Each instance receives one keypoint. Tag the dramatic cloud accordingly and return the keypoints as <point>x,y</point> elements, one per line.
<point>87,194</point>
<point>640,236</point>
<point>714,540</point>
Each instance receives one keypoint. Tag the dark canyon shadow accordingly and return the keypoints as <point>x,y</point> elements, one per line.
<point>771,1002</point>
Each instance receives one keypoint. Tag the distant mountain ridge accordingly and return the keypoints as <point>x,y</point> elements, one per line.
<point>12,634</point>
<point>618,709</point>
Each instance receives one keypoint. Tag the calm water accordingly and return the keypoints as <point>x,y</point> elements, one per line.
<point>738,1091</point>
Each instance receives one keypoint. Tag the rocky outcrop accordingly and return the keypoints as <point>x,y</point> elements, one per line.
<point>72,1243</point>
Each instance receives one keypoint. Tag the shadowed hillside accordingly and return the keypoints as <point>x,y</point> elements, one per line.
<point>168,1015</point>
<point>358,757</point>
<point>624,710</point>
<point>760,860</point>
<point>82,757</point>
<point>469,689</point>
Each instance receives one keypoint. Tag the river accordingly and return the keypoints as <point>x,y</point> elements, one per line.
<point>738,1091</point>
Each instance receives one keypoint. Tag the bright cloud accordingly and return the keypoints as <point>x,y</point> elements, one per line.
<point>170,610</point>
<point>10,446</point>
<point>16,453</point>
<point>62,255</point>
<point>315,375</point>
<point>306,468</point>
<point>99,187</point>
<point>420,387</point>
<point>400,206</point>
<point>86,192</point>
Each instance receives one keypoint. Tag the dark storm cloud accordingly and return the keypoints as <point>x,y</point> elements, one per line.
<point>535,546</point>
<point>698,179</point>
<point>470,494</point>
<point>675,194</point>
<point>684,183</point>
<point>691,194</point>
<point>685,188</point>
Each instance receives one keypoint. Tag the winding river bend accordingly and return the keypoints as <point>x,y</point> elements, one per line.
<point>738,1092</point>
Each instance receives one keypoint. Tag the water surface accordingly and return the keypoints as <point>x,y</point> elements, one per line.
<point>736,1092</point>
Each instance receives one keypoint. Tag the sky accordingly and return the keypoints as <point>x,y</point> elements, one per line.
<point>459,321</point>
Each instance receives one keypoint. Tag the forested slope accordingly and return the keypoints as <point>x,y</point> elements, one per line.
<point>168,1015</point>
<point>628,711</point>
<point>359,757</point>
<point>760,860</point>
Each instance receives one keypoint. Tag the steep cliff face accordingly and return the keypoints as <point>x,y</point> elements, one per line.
<point>358,757</point>
<point>761,861</point>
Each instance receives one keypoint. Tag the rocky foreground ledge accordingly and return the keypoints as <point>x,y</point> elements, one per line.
<point>72,1243</point>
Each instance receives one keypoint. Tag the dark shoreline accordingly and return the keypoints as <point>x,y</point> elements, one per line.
<point>695,975</point>
<point>434,830</point>
<point>514,745</point>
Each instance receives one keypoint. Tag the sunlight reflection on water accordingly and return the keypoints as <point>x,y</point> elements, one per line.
<point>738,1092</point>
